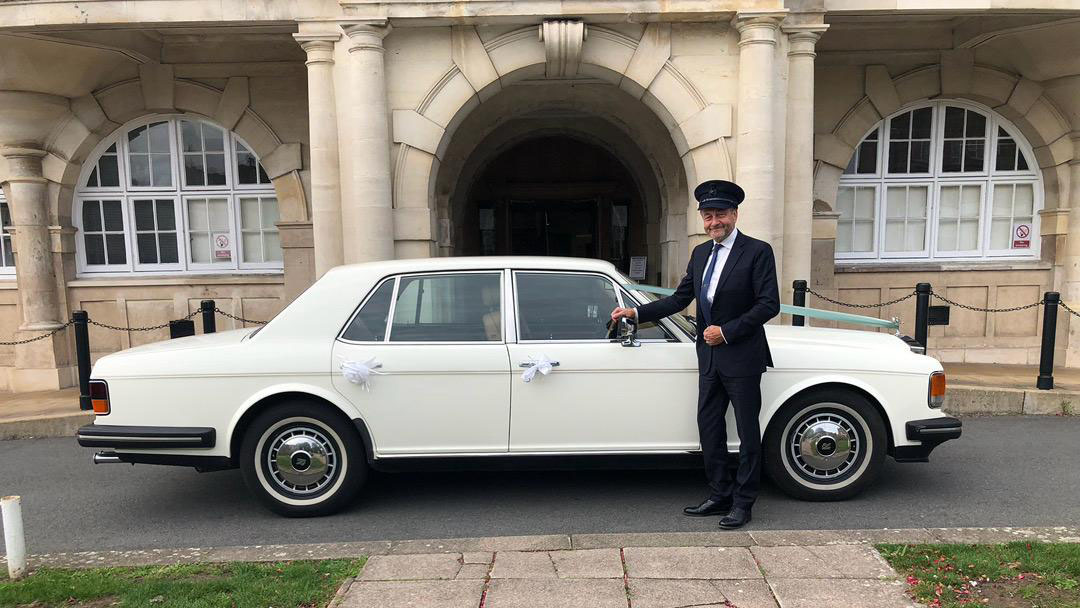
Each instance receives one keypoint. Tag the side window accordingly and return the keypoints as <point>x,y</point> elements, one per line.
<point>448,308</point>
<point>647,331</point>
<point>369,325</point>
<point>564,306</point>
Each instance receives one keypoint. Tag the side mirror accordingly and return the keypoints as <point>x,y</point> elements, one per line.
<point>629,336</point>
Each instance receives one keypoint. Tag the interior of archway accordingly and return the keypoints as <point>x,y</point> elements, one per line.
<point>554,169</point>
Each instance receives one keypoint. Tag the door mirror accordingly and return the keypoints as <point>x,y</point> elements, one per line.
<point>629,332</point>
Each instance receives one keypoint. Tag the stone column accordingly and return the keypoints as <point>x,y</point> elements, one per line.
<point>37,364</point>
<point>755,147</point>
<point>799,156</point>
<point>1071,261</point>
<point>325,170</point>
<point>367,216</point>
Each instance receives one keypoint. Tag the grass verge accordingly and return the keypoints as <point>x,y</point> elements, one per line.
<point>1013,575</point>
<point>301,584</point>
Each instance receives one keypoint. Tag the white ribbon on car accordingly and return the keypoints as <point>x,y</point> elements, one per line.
<point>360,373</point>
<point>539,364</point>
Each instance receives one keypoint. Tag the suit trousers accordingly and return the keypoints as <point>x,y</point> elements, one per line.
<point>728,477</point>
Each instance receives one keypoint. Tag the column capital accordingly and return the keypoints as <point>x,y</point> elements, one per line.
<point>319,47</point>
<point>758,27</point>
<point>367,35</point>
<point>24,164</point>
<point>803,38</point>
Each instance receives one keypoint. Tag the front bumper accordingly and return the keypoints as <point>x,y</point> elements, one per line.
<point>127,437</point>
<point>932,432</point>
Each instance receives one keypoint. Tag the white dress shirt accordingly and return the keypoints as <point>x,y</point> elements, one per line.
<point>722,255</point>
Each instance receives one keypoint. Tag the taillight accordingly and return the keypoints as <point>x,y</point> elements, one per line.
<point>936,396</point>
<point>99,397</point>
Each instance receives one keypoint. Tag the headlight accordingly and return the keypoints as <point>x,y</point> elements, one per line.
<point>935,397</point>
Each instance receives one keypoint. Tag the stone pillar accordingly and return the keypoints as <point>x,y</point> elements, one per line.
<point>755,147</point>
<point>799,156</point>
<point>37,364</point>
<point>325,170</point>
<point>367,216</point>
<point>1071,261</point>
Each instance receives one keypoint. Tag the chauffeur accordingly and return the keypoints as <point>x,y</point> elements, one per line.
<point>733,278</point>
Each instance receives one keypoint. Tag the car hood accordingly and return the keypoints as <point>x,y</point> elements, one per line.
<point>836,338</point>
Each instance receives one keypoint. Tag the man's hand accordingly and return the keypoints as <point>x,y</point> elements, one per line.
<point>621,312</point>
<point>713,335</point>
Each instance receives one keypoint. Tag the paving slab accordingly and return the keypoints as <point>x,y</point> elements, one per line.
<point>791,562</point>
<point>588,563</point>
<point>481,557</point>
<point>748,593</point>
<point>438,566</point>
<point>690,562</point>
<point>521,564</point>
<point>662,539</point>
<point>556,593</point>
<point>552,542</point>
<point>413,594</point>
<point>666,593</point>
<point>775,538</point>
<point>473,571</point>
<point>849,593</point>
<point>854,561</point>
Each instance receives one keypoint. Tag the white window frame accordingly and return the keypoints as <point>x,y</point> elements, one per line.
<point>980,238</point>
<point>122,147</point>
<point>238,221</point>
<point>179,192</point>
<point>6,271</point>
<point>883,198</point>
<point>234,166</point>
<point>227,151</point>
<point>130,229</point>
<point>989,177</point>
<point>876,187</point>
<point>211,266</point>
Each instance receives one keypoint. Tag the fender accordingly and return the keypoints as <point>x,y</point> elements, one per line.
<point>834,378</point>
<point>329,395</point>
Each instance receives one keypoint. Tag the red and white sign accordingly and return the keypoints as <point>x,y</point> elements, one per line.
<point>1021,236</point>
<point>222,250</point>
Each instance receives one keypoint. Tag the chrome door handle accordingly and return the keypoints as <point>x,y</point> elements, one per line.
<point>529,364</point>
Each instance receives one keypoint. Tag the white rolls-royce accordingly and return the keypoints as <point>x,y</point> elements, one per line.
<point>390,364</point>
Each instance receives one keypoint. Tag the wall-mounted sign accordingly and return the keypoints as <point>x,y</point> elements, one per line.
<point>222,246</point>
<point>637,266</point>
<point>1021,236</point>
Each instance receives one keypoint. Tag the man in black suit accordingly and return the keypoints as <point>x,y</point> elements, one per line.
<point>733,278</point>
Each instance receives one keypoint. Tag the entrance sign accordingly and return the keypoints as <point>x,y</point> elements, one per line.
<point>637,266</point>
<point>1021,236</point>
<point>222,250</point>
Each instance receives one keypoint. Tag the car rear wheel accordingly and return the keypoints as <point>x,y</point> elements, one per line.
<point>825,445</point>
<point>302,460</point>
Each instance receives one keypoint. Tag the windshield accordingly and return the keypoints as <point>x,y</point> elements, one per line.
<point>683,321</point>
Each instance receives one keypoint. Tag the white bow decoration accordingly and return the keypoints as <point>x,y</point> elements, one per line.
<point>360,373</point>
<point>537,364</point>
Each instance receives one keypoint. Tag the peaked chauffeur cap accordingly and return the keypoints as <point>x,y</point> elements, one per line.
<point>718,194</point>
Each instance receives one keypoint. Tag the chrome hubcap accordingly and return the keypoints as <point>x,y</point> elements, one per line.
<point>302,460</point>
<point>825,445</point>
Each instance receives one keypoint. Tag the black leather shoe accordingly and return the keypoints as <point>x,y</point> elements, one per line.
<point>709,507</point>
<point>738,518</point>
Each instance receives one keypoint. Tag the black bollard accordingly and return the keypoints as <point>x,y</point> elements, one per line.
<point>82,357</point>
<point>209,321</point>
<point>922,313</point>
<point>798,298</point>
<point>1046,357</point>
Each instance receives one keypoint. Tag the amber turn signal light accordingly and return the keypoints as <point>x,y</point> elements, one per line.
<point>99,397</point>
<point>936,396</point>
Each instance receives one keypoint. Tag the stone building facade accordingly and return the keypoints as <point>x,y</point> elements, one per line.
<point>157,153</point>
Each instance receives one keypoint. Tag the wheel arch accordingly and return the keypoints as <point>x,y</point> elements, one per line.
<point>839,383</point>
<point>268,398</point>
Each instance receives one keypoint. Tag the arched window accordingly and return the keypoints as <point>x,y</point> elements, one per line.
<point>943,181</point>
<point>7,259</point>
<point>172,195</point>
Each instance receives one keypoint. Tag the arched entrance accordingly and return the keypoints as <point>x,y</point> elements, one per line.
<point>555,194</point>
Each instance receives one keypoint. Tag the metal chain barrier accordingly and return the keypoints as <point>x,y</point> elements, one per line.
<point>1066,307</point>
<point>879,305</point>
<point>148,328</point>
<point>241,319</point>
<point>978,309</point>
<point>36,338</point>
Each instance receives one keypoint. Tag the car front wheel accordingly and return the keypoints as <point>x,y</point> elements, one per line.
<point>302,460</point>
<point>825,445</point>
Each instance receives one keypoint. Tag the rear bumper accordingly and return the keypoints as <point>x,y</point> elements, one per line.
<point>126,437</point>
<point>931,432</point>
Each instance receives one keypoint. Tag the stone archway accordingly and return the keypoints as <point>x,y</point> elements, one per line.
<point>636,73</point>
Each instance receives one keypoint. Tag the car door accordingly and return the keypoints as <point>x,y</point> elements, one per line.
<point>602,396</point>
<point>443,382</point>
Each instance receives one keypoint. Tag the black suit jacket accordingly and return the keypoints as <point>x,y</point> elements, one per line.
<point>746,297</point>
